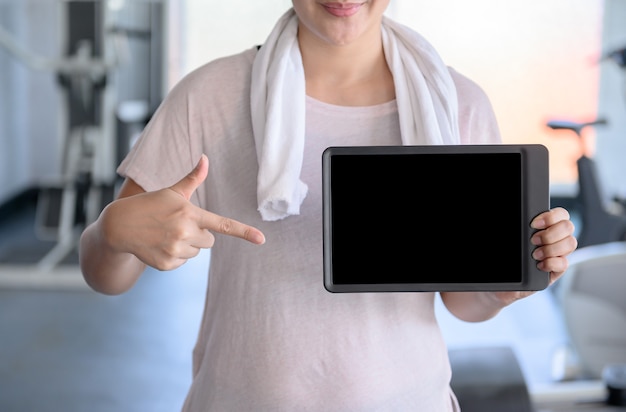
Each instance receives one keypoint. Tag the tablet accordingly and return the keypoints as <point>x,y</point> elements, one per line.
<point>432,218</point>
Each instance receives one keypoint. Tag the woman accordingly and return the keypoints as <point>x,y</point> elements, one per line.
<point>271,338</point>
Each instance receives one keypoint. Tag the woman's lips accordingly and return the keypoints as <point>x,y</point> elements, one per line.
<point>342,9</point>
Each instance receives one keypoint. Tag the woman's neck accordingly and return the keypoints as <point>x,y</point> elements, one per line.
<point>349,75</point>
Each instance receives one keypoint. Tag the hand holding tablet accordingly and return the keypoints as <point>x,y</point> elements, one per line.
<point>433,218</point>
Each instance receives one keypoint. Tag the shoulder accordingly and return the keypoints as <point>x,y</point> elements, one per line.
<point>469,92</point>
<point>233,65</point>
<point>477,119</point>
<point>204,109</point>
<point>225,74</point>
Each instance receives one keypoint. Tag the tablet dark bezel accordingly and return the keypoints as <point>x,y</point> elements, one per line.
<point>534,193</point>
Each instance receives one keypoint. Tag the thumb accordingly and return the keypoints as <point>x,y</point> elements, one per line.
<point>188,184</point>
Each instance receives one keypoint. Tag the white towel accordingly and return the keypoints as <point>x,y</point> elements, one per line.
<point>425,94</point>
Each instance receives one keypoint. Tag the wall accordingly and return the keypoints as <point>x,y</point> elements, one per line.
<point>611,141</point>
<point>28,101</point>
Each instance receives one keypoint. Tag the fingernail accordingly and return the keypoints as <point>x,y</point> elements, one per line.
<point>258,238</point>
<point>538,254</point>
<point>538,224</point>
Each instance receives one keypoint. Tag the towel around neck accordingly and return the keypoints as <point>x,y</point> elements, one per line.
<point>425,94</point>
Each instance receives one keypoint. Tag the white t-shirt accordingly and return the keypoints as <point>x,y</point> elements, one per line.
<point>272,338</point>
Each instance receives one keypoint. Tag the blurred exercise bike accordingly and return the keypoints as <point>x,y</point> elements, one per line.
<point>601,222</point>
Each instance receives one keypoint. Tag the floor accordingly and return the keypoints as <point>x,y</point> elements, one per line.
<point>66,348</point>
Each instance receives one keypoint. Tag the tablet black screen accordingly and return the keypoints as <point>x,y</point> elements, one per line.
<point>427,218</point>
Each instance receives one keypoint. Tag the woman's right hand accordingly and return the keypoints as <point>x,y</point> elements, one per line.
<point>164,229</point>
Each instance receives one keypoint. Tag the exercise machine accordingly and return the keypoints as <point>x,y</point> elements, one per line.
<point>601,222</point>
<point>98,39</point>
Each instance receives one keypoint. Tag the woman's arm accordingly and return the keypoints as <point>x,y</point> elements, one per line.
<point>161,229</point>
<point>104,267</point>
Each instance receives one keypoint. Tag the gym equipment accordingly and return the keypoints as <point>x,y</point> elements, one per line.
<point>98,87</point>
<point>602,222</point>
<point>591,297</point>
<point>489,379</point>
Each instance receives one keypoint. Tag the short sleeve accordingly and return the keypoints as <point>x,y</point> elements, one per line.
<point>477,119</point>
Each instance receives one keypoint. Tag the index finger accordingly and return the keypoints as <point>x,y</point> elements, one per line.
<point>230,227</point>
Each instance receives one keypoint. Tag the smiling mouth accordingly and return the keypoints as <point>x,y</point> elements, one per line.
<point>342,9</point>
